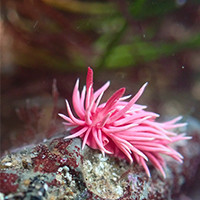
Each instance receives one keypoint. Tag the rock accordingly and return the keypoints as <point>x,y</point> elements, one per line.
<point>59,169</point>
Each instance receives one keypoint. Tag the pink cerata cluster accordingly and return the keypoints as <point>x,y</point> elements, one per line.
<point>121,128</point>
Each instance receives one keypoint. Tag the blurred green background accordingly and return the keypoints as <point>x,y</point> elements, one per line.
<point>128,42</point>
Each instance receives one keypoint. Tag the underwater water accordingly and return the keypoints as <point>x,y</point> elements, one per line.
<point>46,45</point>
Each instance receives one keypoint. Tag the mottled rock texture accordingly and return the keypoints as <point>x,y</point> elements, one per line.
<point>59,169</point>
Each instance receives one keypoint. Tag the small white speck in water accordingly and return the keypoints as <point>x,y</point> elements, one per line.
<point>35,24</point>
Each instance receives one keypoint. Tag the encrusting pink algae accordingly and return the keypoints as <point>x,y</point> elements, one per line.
<point>121,128</point>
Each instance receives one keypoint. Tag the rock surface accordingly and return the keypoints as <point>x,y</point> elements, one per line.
<point>59,169</point>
